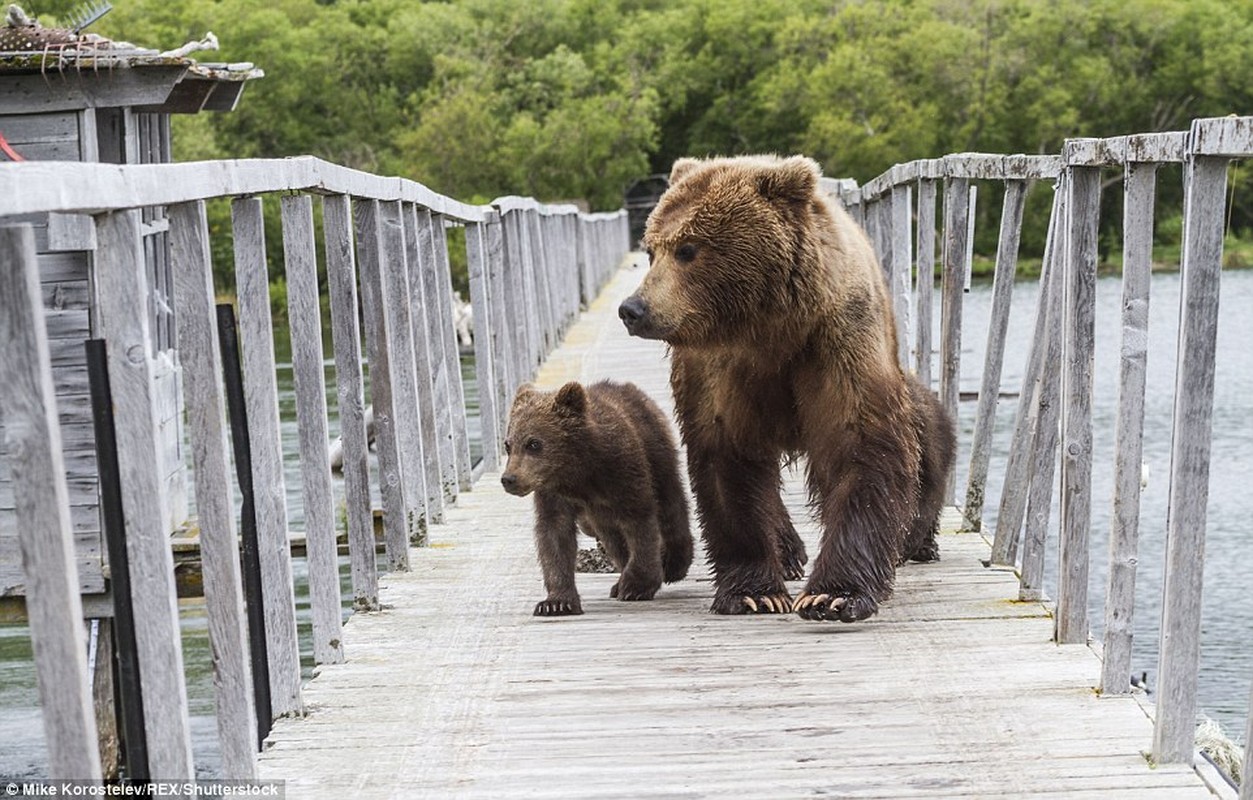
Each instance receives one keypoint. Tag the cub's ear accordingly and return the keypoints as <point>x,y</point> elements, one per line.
<point>524,393</point>
<point>791,180</point>
<point>682,167</point>
<point>571,399</point>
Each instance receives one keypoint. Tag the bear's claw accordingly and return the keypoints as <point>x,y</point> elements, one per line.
<point>631,592</point>
<point>558,608</point>
<point>752,604</point>
<point>842,607</point>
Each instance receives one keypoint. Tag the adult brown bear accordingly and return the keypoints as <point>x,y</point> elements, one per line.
<point>783,344</point>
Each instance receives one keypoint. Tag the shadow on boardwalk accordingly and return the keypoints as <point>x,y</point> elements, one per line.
<point>953,690</point>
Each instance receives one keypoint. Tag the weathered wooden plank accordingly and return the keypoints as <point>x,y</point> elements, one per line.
<point>402,370</point>
<point>1246,787</point>
<point>925,279</point>
<point>902,258</point>
<point>1139,186</point>
<point>1083,213</point>
<point>33,443</point>
<point>425,367</point>
<point>994,356</point>
<point>124,323</point>
<point>365,214</point>
<point>452,358</point>
<point>1013,501</point>
<point>219,547</point>
<point>485,364</point>
<point>341,279</point>
<point>41,186</point>
<point>443,370</point>
<point>1222,136</point>
<point>265,442</point>
<point>1206,182</point>
<point>304,316</point>
<point>956,265</point>
<point>504,343</point>
<point>1043,420</point>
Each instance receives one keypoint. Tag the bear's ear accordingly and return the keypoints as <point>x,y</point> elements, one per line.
<point>571,399</point>
<point>682,167</point>
<point>524,393</point>
<point>791,180</point>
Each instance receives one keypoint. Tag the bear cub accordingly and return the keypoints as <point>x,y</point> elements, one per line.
<point>602,459</point>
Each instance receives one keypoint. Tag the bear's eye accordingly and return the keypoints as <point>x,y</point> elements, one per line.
<point>686,253</point>
<point>533,446</point>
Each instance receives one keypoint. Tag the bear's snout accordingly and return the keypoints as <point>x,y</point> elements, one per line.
<point>634,313</point>
<point>511,484</point>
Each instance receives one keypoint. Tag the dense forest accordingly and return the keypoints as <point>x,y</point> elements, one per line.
<point>574,99</point>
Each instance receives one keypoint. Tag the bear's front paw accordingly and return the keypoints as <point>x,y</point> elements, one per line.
<point>633,591</point>
<point>730,603</point>
<point>558,607</point>
<point>923,552</point>
<point>842,606</point>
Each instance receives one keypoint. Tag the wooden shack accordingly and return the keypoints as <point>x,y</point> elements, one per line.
<point>111,105</point>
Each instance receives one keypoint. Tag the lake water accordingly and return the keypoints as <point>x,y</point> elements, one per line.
<point>1227,656</point>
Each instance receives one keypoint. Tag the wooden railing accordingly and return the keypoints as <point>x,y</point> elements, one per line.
<point>1054,417</point>
<point>530,267</point>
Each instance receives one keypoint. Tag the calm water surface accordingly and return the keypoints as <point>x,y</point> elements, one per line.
<point>1226,658</point>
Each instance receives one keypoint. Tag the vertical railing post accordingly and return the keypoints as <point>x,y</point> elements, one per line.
<point>32,436</point>
<point>426,356</point>
<point>456,397</point>
<point>994,356</point>
<point>219,545</point>
<point>902,257</point>
<point>341,279</point>
<point>1139,187</point>
<point>925,277</point>
<point>256,334</point>
<point>1083,217</point>
<point>1246,786</point>
<point>396,506</point>
<point>304,315</point>
<point>443,369</point>
<point>956,253</point>
<point>1205,179</point>
<point>124,324</point>
<point>485,361</point>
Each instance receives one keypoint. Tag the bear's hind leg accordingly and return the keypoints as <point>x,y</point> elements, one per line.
<point>740,513</point>
<point>642,572</point>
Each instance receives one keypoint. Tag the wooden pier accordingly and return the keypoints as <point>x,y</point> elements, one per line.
<point>955,689</point>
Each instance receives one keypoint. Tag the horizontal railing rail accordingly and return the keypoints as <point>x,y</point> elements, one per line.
<point>388,287</point>
<point>1053,423</point>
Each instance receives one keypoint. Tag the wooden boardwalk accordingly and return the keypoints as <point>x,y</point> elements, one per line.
<point>455,690</point>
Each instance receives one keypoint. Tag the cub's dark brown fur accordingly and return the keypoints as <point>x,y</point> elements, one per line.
<point>783,344</point>
<point>601,459</point>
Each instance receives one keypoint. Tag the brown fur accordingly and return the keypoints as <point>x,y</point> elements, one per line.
<point>783,343</point>
<point>601,459</point>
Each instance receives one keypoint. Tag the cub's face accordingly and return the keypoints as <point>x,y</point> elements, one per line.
<point>724,243</point>
<point>542,439</point>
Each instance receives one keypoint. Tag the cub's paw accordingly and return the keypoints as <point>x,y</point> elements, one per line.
<point>923,552</point>
<point>729,603</point>
<point>793,566</point>
<point>558,607</point>
<point>842,606</point>
<point>632,591</point>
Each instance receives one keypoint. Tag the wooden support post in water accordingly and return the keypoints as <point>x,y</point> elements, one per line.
<point>485,365</point>
<point>902,239</point>
<point>215,507</point>
<point>425,355</point>
<point>1013,502</point>
<point>32,437</point>
<point>452,356</point>
<point>256,335</point>
<point>341,279</point>
<point>304,315</point>
<point>925,279</point>
<point>407,423</point>
<point>1083,217</point>
<point>124,324</point>
<point>395,505</point>
<point>994,356</point>
<point>1206,185</point>
<point>956,230</point>
<point>1139,187</point>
